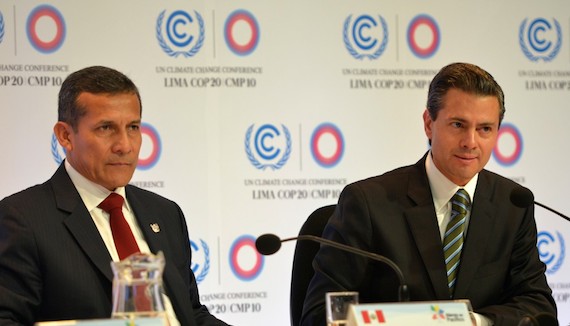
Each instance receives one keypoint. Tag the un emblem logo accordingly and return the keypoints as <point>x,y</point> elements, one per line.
<point>183,37</point>
<point>552,250</point>
<point>1,27</point>
<point>362,38</point>
<point>271,148</point>
<point>55,150</point>
<point>200,260</point>
<point>540,39</point>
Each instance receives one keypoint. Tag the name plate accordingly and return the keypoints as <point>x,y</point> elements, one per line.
<point>419,313</point>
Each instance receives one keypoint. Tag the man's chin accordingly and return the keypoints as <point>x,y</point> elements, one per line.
<point>120,180</point>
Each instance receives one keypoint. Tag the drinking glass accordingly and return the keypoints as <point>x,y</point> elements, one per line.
<point>337,305</point>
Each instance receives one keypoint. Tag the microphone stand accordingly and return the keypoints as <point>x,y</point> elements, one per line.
<point>403,294</point>
<point>553,211</point>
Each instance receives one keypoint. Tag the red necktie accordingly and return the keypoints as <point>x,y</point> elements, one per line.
<point>125,243</point>
<point>122,235</point>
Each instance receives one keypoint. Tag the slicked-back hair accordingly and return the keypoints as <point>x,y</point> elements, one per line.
<point>465,77</point>
<point>94,80</point>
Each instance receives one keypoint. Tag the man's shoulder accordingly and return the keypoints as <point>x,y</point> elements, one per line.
<point>498,179</point>
<point>396,175</point>
<point>27,195</point>
<point>499,184</point>
<point>145,195</point>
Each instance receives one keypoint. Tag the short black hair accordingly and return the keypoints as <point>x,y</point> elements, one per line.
<point>95,80</point>
<point>466,77</point>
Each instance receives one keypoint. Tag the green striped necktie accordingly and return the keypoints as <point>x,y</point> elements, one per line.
<point>453,239</point>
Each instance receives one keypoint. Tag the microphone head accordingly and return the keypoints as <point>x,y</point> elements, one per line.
<point>268,244</point>
<point>522,197</point>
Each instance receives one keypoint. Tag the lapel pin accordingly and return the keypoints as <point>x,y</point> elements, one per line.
<point>155,227</point>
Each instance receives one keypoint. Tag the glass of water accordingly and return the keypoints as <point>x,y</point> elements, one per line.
<point>337,305</point>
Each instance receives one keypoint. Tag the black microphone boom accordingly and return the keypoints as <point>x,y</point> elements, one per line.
<point>523,198</point>
<point>268,244</point>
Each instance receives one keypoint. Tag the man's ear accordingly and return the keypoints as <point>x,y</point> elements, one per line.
<point>64,134</point>
<point>427,124</point>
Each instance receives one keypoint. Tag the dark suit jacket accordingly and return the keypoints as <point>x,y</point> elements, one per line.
<point>54,264</point>
<point>393,215</point>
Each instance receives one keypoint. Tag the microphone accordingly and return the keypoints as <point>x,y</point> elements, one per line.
<point>268,244</point>
<point>540,319</point>
<point>522,197</point>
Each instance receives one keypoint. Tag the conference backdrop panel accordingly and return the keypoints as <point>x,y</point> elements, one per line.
<point>255,113</point>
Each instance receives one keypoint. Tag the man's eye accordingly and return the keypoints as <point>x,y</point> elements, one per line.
<point>456,124</point>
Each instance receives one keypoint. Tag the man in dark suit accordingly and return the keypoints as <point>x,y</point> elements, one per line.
<point>411,214</point>
<point>56,244</point>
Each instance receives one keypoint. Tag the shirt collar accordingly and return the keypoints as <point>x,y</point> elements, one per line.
<point>442,188</point>
<point>91,193</point>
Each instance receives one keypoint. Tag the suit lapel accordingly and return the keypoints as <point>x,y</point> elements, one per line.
<point>150,221</point>
<point>79,222</point>
<point>425,231</point>
<point>481,225</point>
